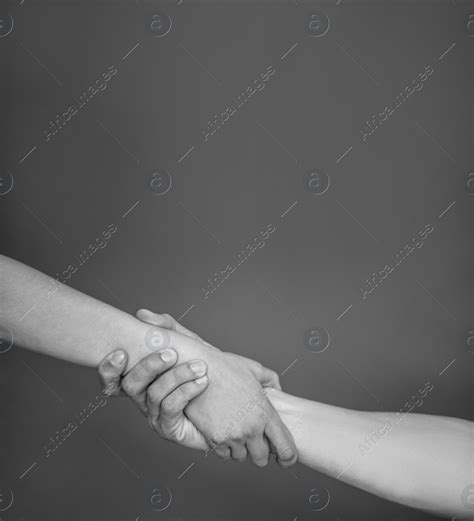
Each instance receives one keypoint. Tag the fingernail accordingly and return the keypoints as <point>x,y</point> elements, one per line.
<point>198,367</point>
<point>118,358</point>
<point>202,380</point>
<point>168,355</point>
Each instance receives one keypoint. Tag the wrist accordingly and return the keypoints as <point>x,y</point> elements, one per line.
<point>138,338</point>
<point>291,411</point>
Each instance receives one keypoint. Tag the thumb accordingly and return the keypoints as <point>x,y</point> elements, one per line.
<point>111,370</point>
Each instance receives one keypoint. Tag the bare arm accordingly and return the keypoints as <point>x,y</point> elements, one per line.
<point>49,317</point>
<point>54,319</point>
<point>417,460</point>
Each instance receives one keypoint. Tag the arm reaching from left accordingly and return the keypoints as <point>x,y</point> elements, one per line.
<point>70,325</point>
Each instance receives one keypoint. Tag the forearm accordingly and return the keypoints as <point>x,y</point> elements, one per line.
<point>419,461</point>
<point>52,318</point>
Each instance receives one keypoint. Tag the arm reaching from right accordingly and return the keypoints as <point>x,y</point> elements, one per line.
<point>419,461</point>
<point>416,460</point>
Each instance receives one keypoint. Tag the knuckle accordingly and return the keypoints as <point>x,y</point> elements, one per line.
<point>239,434</point>
<point>168,405</point>
<point>216,440</point>
<point>254,431</point>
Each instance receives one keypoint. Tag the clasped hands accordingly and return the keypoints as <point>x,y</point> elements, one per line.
<point>213,401</point>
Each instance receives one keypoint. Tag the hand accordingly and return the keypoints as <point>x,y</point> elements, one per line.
<point>162,400</point>
<point>234,414</point>
<point>266,377</point>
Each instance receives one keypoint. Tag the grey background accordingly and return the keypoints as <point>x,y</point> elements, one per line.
<point>412,329</point>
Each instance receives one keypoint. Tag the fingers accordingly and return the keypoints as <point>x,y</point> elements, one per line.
<point>110,372</point>
<point>169,395</point>
<point>258,450</point>
<point>238,451</point>
<point>145,372</point>
<point>282,442</point>
<point>269,378</point>
<point>165,321</point>
<point>223,451</point>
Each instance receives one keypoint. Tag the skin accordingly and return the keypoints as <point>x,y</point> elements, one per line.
<point>416,460</point>
<point>51,318</point>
